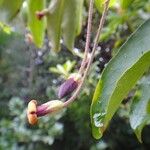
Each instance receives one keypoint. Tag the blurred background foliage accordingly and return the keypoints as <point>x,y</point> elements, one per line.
<point>29,72</point>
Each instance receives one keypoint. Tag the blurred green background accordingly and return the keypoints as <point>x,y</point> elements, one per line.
<point>27,72</point>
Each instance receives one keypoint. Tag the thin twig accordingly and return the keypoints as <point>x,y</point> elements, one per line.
<point>88,36</point>
<point>102,20</point>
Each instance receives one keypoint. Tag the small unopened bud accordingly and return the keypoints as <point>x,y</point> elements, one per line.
<point>41,14</point>
<point>69,86</point>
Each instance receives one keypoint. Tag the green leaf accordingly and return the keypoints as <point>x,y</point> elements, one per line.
<point>126,3</point>
<point>111,28</point>
<point>64,20</point>
<point>54,20</point>
<point>140,115</point>
<point>36,26</point>
<point>68,65</point>
<point>61,69</point>
<point>80,8</point>
<point>72,21</point>
<point>10,10</point>
<point>1,1</point>
<point>99,4</point>
<point>54,70</point>
<point>4,27</point>
<point>119,77</point>
<point>24,12</point>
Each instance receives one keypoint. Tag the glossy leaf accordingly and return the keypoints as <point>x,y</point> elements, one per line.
<point>54,21</point>
<point>72,19</point>
<point>36,26</point>
<point>119,77</point>
<point>10,10</point>
<point>140,113</point>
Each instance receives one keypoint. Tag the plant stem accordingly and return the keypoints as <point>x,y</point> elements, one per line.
<point>88,36</point>
<point>31,66</point>
<point>102,20</point>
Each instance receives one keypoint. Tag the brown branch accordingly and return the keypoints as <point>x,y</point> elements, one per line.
<point>102,20</point>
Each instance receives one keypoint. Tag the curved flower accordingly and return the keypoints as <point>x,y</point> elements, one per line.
<point>34,111</point>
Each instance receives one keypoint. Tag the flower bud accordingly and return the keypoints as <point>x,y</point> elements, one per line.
<point>69,86</point>
<point>34,111</point>
<point>31,112</point>
<point>41,14</point>
<point>49,107</point>
<point>32,106</point>
<point>32,119</point>
<point>55,105</point>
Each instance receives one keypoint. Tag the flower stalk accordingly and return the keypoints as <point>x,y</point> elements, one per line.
<point>88,36</point>
<point>71,84</point>
<point>102,20</point>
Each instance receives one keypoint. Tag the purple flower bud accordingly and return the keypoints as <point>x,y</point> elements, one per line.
<point>67,87</point>
<point>42,110</point>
